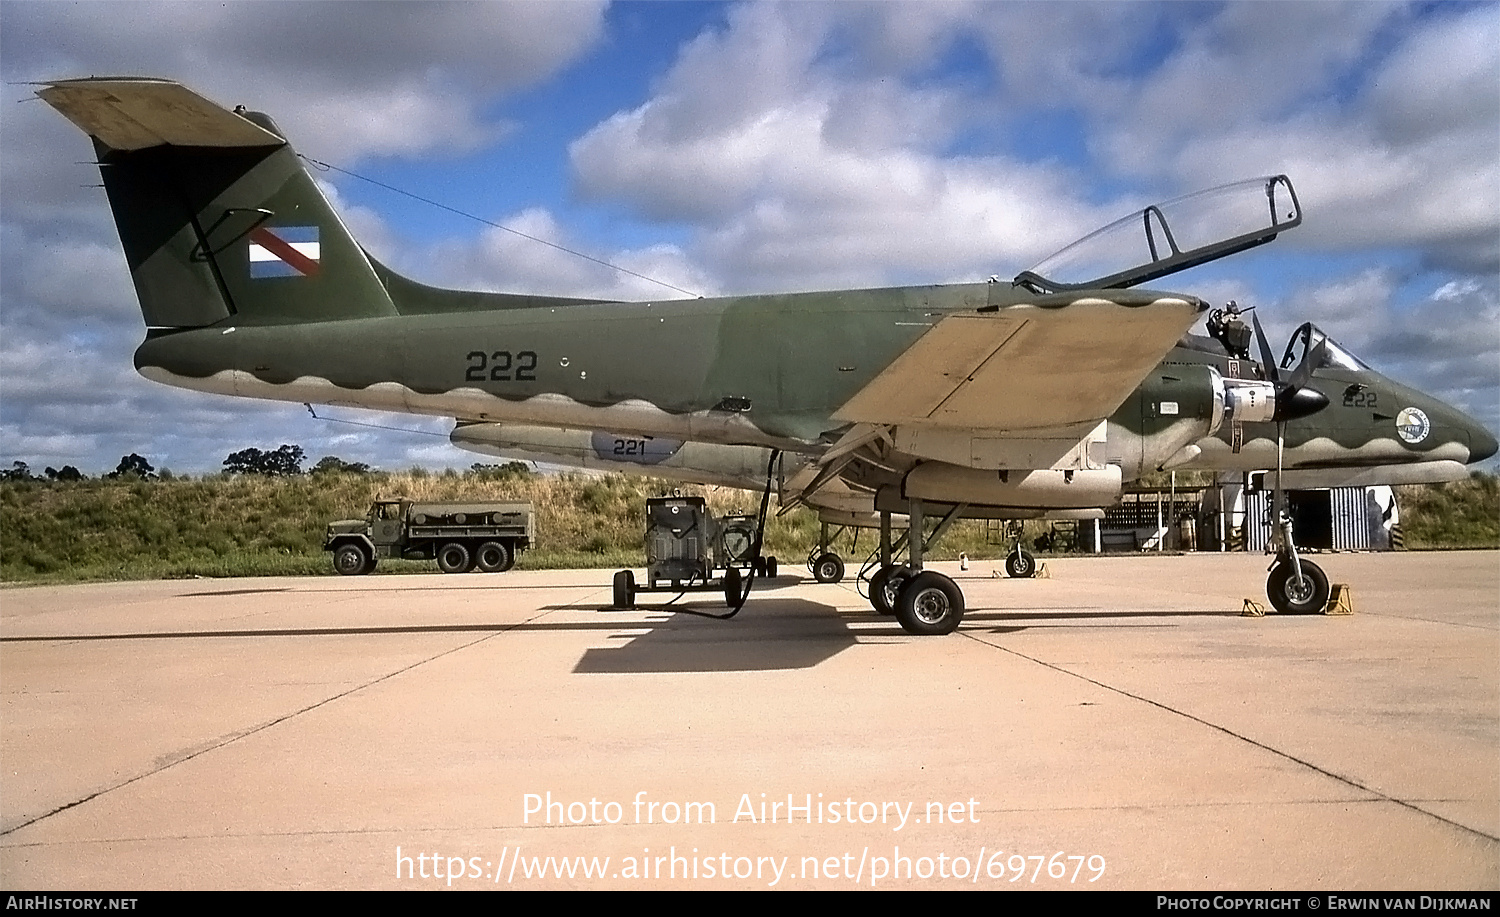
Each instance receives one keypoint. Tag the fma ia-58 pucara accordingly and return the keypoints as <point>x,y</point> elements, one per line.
<point>1011,399</point>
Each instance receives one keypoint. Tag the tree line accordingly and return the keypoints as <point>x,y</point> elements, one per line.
<point>284,461</point>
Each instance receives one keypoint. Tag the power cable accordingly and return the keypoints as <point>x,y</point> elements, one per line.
<point>324,166</point>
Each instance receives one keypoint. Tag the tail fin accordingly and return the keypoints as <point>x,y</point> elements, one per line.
<point>217,216</point>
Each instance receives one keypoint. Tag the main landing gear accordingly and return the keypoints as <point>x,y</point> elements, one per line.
<point>1019,563</point>
<point>822,562</point>
<point>924,602</point>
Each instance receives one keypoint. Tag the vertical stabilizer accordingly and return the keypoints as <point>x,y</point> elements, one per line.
<point>217,216</point>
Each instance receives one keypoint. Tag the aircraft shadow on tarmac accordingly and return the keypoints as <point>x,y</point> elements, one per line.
<point>796,633</point>
<point>767,635</point>
<point>770,634</point>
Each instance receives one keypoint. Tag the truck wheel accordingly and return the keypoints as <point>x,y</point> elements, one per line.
<point>494,557</point>
<point>350,560</point>
<point>454,558</point>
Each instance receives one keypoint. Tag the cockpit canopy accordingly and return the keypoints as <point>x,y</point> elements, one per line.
<point>1166,238</point>
<point>1334,354</point>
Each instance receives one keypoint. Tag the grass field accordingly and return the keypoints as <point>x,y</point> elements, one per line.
<point>249,525</point>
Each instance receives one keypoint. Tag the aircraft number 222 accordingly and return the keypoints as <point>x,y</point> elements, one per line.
<point>500,363</point>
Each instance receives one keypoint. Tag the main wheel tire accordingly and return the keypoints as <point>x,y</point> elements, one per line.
<point>930,604</point>
<point>624,589</point>
<point>351,560</point>
<point>828,568</point>
<point>454,558</point>
<point>1020,565</point>
<point>770,568</point>
<point>493,557</point>
<point>885,587</point>
<point>1293,596</point>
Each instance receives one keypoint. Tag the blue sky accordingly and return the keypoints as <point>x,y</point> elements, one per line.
<point>740,148</point>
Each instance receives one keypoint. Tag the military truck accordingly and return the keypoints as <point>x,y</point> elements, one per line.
<point>459,536</point>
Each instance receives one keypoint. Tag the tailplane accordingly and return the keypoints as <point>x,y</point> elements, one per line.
<point>218,217</point>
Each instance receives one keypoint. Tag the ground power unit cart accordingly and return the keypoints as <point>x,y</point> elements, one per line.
<point>687,548</point>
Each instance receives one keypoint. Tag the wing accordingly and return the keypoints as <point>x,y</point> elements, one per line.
<point>1037,365</point>
<point>1028,385</point>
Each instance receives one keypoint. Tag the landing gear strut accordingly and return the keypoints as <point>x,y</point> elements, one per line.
<point>1294,586</point>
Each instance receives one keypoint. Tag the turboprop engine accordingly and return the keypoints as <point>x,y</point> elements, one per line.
<point>1184,403</point>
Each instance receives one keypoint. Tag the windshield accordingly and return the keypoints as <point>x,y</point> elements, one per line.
<point>1173,236</point>
<point>1334,353</point>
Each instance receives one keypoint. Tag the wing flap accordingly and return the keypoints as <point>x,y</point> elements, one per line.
<point>133,114</point>
<point>1027,367</point>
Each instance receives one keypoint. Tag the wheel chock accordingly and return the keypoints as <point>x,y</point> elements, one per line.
<point>1042,572</point>
<point>1253,610</point>
<point>1340,600</point>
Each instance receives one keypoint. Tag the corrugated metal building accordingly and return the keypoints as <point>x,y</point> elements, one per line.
<point>1337,519</point>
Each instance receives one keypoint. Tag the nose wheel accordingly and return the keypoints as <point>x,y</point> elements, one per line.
<point>1295,591</point>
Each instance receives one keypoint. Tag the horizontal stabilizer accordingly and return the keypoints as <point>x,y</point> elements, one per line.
<point>134,114</point>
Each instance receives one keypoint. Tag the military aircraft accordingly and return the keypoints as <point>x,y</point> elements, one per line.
<point>996,399</point>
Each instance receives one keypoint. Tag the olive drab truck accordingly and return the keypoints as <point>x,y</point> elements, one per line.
<point>459,536</point>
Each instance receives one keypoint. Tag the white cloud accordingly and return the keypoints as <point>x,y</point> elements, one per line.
<point>355,78</point>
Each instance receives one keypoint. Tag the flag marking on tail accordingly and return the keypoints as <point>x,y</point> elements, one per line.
<point>284,251</point>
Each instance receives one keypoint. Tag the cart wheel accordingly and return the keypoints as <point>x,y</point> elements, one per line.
<point>732,593</point>
<point>625,589</point>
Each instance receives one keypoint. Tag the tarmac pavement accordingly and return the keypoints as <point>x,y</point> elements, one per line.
<point>1116,725</point>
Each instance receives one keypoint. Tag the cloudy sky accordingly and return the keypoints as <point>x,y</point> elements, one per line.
<point>741,148</point>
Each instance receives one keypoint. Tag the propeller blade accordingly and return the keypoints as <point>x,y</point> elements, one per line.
<point>1310,362</point>
<point>1266,359</point>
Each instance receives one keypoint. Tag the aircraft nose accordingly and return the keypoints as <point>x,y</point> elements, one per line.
<point>1482,443</point>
